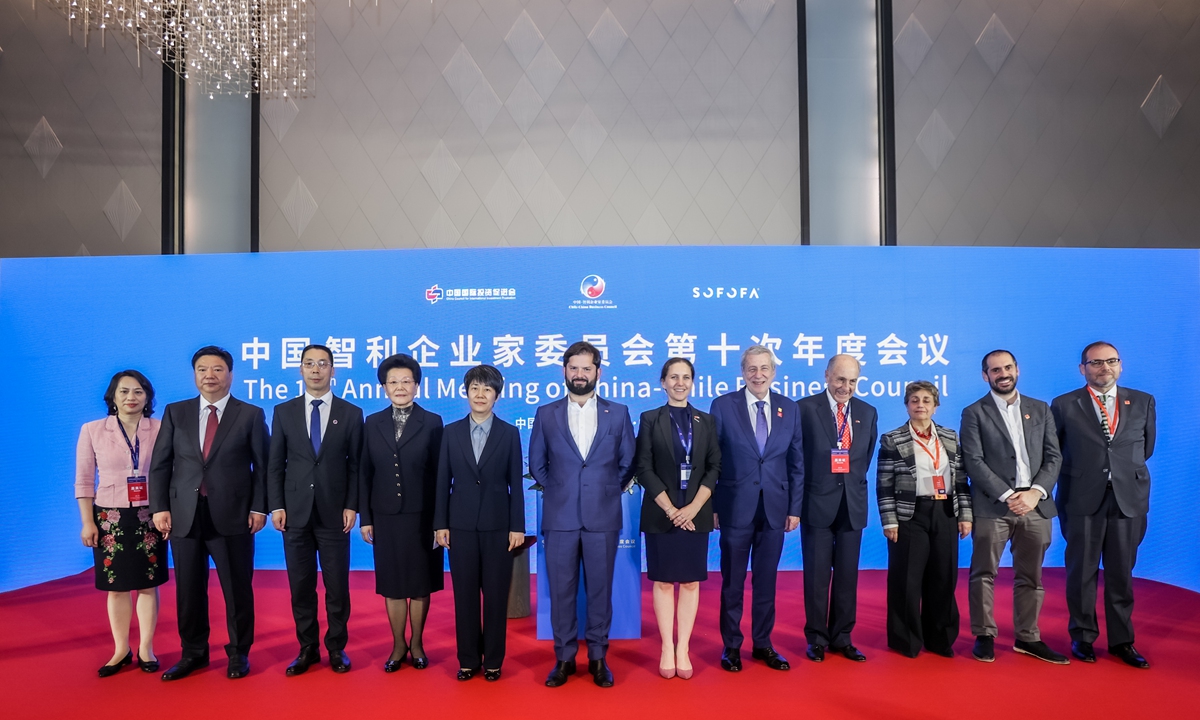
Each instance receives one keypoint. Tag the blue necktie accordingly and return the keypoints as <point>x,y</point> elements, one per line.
<point>314,427</point>
<point>760,427</point>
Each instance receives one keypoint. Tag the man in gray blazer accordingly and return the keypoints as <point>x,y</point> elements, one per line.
<point>1107,435</point>
<point>1010,451</point>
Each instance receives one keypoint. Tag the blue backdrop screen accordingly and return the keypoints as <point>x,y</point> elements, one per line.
<point>912,313</point>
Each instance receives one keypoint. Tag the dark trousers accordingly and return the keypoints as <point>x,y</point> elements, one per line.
<point>836,548</point>
<point>301,548</point>
<point>233,556</point>
<point>762,546</point>
<point>480,564</point>
<point>1112,537</point>
<point>564,550</point>
<point>922,574</point>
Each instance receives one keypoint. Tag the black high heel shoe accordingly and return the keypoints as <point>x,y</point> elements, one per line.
<point>420,663</point>
<point>110,670</point>
<point>147,665</point>
<point>392,666</point>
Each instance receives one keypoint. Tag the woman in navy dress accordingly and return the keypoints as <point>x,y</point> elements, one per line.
<point>678,461</point>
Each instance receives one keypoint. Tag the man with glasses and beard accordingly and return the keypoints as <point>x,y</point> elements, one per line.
<point>1106,434</point>
<point>581,452</point>
<point>1010,451</point>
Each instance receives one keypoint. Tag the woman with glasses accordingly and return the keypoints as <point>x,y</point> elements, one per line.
<point>111,463</point>
<point>925,507</point>
<point>678,461</point>
<point>398,489</point>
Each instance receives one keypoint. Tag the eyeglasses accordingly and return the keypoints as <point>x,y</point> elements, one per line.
<point>310,364</point>
<point>407,382</point>
<point>1111,362</point>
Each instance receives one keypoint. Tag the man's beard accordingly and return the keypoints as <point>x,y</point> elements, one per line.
<point>586,389</point>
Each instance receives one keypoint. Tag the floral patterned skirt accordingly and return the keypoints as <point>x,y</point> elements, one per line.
<point>131,554</point>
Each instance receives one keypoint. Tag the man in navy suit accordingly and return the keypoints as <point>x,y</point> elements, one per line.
<point>581,452</point>
<point>839,443</point>
<point>758,498</point>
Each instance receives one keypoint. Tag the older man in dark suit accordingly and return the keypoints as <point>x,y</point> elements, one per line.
<point>758,498</point>
<point>839,432</point>
<point>208,493</point>
<point>312,485</point>
<point>1106,434</point>
<point>1010,452</point>
<point>581,451</point>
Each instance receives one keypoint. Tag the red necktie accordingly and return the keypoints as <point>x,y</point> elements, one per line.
<point>210,432</point>
<point>843,426</point>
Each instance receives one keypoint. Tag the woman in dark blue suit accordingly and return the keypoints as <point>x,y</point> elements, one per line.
<point>481,507</point>
<point>398,482</point>
<point>678,461</point>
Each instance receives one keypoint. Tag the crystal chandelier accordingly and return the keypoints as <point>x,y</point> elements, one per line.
<point>223,46</point>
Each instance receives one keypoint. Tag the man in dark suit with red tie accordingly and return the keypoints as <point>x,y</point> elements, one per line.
<point>758,498</point>
<point>312,485</point>
<point>1106,434</point>
<point>208,493</point>
<point>839,432</point>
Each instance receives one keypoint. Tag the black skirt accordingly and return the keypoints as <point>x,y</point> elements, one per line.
<point>406,566</point>
<point>131,554</point>
<point>678,556</point>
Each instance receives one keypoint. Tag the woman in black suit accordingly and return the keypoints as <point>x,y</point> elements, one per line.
<point>925,507</point>
<point>398,482</point>
<point>479,497</point>
<point>678,461</point>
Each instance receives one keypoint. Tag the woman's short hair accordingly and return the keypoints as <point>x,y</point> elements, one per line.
<point>110,395</point>
<point>917,386</point>
<point>671,361</point>
<point>484,375</point>
<point>399,362</point>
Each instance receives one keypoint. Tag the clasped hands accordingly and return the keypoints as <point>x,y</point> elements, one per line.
<point>1024,501</point>
<point>682,517</point>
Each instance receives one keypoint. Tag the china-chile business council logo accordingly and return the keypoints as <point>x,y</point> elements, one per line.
<point>437,292</point>
<point>592,288</point>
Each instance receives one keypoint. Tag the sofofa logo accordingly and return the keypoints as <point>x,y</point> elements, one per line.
<point>433,294</point>
<point>726,293</point>
<point>592,287</point>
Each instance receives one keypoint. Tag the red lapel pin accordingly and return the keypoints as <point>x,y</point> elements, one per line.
<point>335,421</point>
<point>779,412</point>
<point>1026,417</point>
<point>1126,402</point>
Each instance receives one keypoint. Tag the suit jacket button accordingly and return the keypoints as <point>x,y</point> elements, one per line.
<point>397,484</point>
<point>756,482</point>
<point>1104,470</point>
<point>397,494</point>
<point>317,464</point>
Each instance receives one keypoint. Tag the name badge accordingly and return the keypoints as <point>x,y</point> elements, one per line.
<point>939,487</point>
<point>839,461</point>
<point>136,485</point>
<point>685,474</point>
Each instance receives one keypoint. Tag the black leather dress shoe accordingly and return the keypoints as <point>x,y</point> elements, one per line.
<point>467,673</point>
<point>1130,656</point>
<point>985,649</point>
<point>816,653</point>
<point>491,675</point>
<point>186,666</point>
<point>731,659</point>
<point>147,665</point>
<point>239,667</point>
<point>601,675</point>
<point>559,674</point>
<point>309,655</point>
<point>392,666</point>
<point>774,660</point>
<point>110,670</point>
<point>1083,651</point>
<point>420,663</point>
<point>339,661</point>
<point>1041,651</point>
<point>850,653</point>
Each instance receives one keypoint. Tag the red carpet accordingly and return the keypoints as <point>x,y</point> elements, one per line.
<point>56,635</point>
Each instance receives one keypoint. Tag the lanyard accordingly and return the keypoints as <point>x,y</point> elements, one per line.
<point>841,429</point>
<point>135,447</point>
<point>687,444</point>
<point>1111,420</point>
<point>936,455</point>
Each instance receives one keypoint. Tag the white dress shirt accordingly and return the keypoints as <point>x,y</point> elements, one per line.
<point>924,463</point>
<point>1011,412</point>
<point>752,407</point>
<point>204,415</point>
<point>323,409</point>
<point>833,403</point>
<point>582,421</point>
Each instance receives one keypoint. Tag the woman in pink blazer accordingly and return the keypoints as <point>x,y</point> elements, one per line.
<point>111,463</point>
